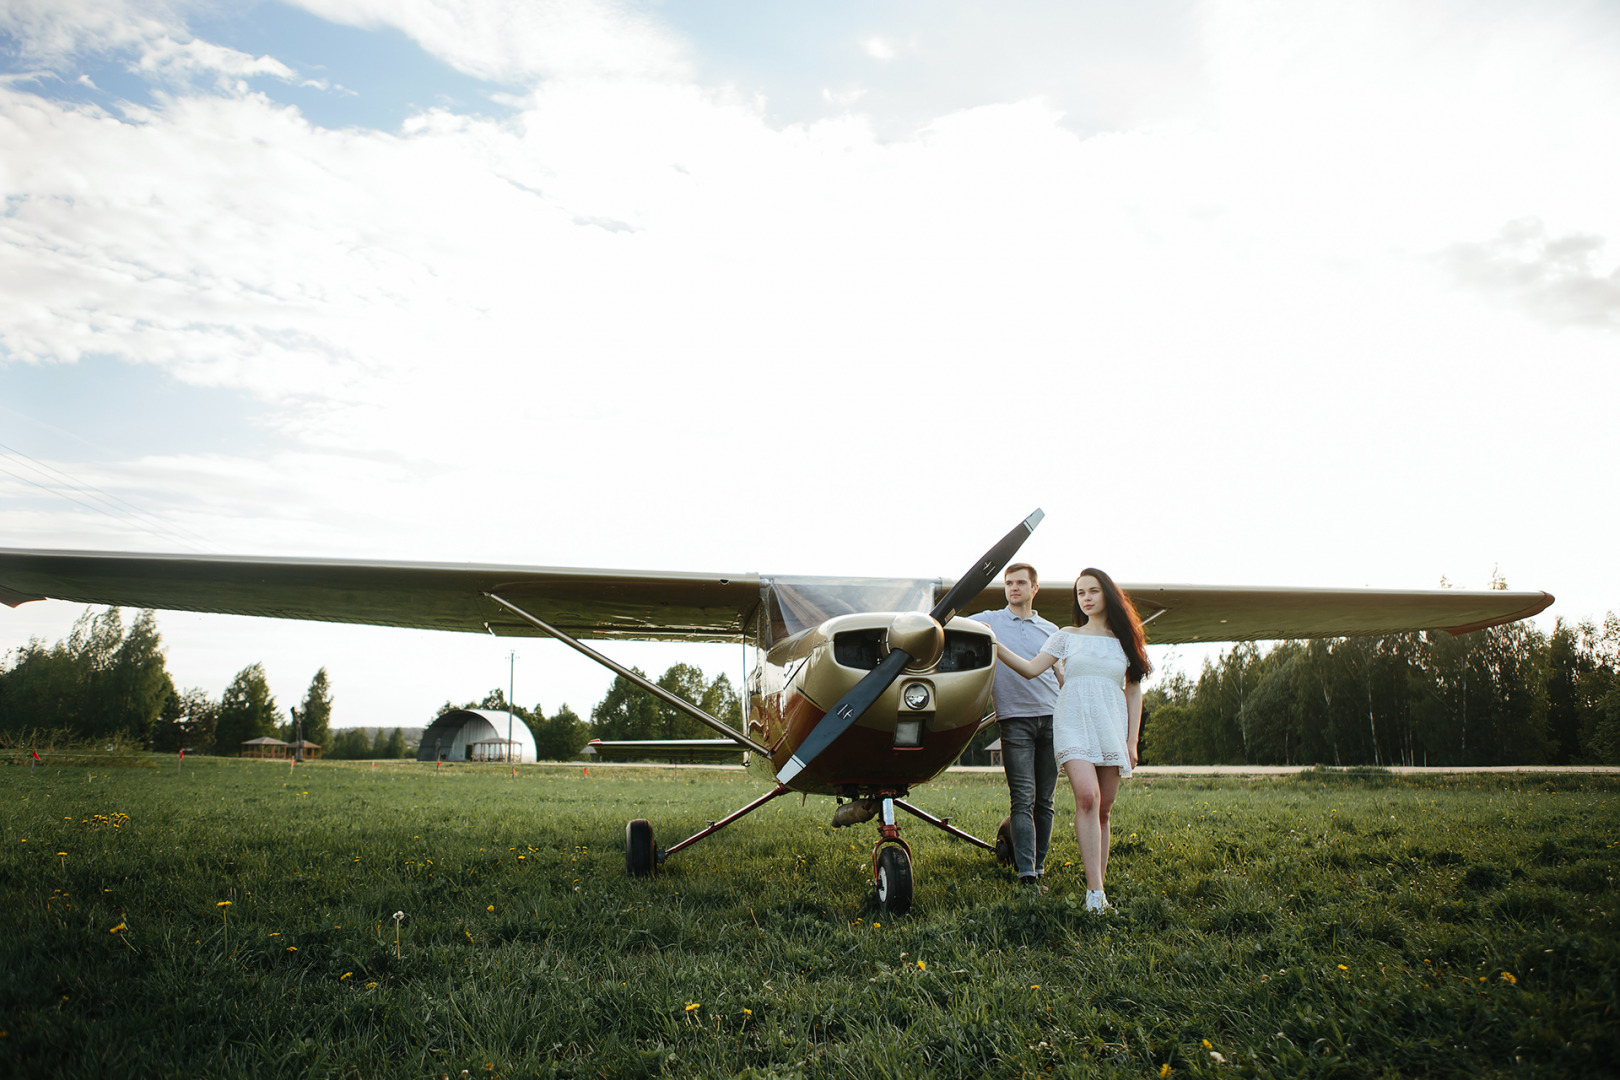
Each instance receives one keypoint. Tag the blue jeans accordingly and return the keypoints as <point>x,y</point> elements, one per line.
<point>1026,755</point>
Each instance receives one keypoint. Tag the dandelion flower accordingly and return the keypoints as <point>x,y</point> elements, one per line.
<point>371,986</point>
<point>1343,968</point>
<point>490,908</point>
<point>121,926</point>
<point>691,1005</point>
<point>345,975</point>
<point>1208,1045</point>
<point>876,925</point>
<point>1164,1070</point>
<point>922,965</point>
<point>1507,977</point>
<point>748,1012</point>
<point>223,903</point>
<point>292,948</point>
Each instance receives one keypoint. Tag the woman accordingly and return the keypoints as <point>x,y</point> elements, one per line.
<point>1099,711</point>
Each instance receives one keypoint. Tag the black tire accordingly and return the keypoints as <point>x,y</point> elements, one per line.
<point>1006,852</point>
<point>640,857</point>
<point>894,880</point>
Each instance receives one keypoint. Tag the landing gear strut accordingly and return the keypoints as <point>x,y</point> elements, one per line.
<point>891,856</point>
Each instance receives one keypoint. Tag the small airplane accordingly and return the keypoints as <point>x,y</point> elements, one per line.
<point>862,688</point>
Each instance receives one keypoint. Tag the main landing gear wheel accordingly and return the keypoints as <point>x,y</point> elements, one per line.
<point>894,880</point>
<point>640,857</point>
<point>1006,852</point>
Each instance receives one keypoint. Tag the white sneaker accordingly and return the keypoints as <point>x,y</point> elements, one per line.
<point>1095,900</point>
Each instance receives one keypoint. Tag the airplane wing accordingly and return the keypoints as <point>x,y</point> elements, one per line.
<point>676,606</point>
<point>1177,614</point>
<point>429,596</point>
<point>674,751</point>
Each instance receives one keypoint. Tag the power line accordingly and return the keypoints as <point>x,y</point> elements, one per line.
<point>112,506</point>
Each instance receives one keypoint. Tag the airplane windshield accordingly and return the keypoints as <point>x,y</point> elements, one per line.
<point>795,604</point>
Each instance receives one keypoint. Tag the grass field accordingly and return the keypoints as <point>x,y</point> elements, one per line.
<point>236,920</point>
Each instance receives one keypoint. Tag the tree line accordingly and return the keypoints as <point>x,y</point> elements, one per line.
<point>1507,695</point>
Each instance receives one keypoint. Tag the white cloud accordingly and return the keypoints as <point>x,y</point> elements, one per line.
<point>879,49</point>
<point>184,61</point>
<point>56,31</point>
<point>520,41</point>
<point>1555,278</point>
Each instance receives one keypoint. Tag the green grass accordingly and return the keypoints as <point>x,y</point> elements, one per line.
<point>1315,926</point>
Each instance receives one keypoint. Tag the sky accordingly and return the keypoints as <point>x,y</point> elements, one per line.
<point>1237,291</point>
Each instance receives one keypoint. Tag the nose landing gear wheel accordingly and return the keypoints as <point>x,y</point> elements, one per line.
<point>894,880</point>
<point>640,857</point>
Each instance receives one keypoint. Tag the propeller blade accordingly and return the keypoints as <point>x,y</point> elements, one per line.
<point>853,705</point>
<point>850,708</point>
<point>985,570</point>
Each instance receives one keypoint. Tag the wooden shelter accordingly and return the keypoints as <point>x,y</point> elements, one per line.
<point>266,747</point>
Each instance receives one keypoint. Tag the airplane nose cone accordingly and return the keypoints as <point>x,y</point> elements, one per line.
<point>919,635</point>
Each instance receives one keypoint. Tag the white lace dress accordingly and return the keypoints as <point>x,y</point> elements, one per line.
<point>1090,721</point>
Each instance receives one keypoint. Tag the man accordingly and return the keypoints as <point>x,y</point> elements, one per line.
<point>1024,709</point>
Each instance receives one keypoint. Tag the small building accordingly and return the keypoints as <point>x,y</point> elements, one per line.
<point>266,748</point>
<point>305,750</point>
<point>476,735</point>
<point>995,752</point>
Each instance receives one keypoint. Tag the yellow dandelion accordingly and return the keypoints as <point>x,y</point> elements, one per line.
<point>121,926</point>
<point>922,965</point>
<point>1343,968</point>
<point>1037,986</point>
<point>1164,1070</point>
<point>748,1012</point>
<point>876,925</point>
<point>345,975</point>
<point>223,903</point>
<point>692,1005</point>
<point>371,986</point>
<point>1208,1045</point>
<point>1507,977</point>
<point>490,908</point>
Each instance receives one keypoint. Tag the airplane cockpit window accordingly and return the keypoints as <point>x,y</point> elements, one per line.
<point>795,604</point>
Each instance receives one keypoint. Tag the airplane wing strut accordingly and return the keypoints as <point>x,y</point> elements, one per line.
<point>651,687</point>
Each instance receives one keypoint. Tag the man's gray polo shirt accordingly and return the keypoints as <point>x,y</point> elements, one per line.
<point>1016,695</point>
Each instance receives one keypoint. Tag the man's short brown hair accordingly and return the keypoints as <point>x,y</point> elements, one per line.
<point>1034,579</point>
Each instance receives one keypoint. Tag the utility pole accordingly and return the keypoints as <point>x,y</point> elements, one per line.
<point>511,684</point>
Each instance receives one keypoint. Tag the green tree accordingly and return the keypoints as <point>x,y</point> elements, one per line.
<point>316,711</point>
<point>198,721</point>
<point>97,682</point>
<point>687,683</point>
<point>626,711</point>
<point>136,684</point>
<point>560,737</point>
<point>246,711</point>
<point>394,747</point>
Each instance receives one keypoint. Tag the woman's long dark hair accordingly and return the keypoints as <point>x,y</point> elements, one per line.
<point>1122,620</point>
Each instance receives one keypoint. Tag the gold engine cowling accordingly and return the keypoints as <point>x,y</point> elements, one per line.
<point>917,634</point>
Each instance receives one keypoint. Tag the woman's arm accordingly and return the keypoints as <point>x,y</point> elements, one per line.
<point>1133,713</point>
<point>1029,669</point>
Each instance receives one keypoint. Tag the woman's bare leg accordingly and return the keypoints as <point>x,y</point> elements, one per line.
<point>1107,790</point>
<point>1087,830</point>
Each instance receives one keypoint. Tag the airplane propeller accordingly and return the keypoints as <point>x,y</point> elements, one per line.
<point>853,705</point>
